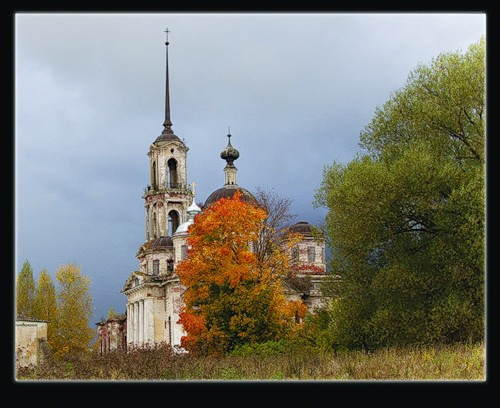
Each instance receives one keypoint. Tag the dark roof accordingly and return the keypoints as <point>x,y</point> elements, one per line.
<point>118,318</point>
<point>167,137</point>
<point>303,228</point>
<point>227,192</point>
<point>159,243</point>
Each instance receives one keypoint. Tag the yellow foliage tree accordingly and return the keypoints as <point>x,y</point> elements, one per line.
<point>74,310</point>
<point>45,305</point>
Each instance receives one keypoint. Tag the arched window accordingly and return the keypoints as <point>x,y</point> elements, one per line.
<point>295,254</point>
<point>147,224</point>
<point>311,254</point>
<point>172,173</point>
<point>154,226</point>
<point>173,222</point>
<point>153,176</point>
<point>170,265</point>
<point>169,330</point>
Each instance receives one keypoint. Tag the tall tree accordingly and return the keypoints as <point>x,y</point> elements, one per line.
<point>406,218</point>
<point>74,304</point>
<point>232,297</point>
<point>442,104</point>
<point>45,304</point>
<point>111,313</point>
<point>25,291</point>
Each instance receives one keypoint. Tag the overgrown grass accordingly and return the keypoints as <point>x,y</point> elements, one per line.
<point>457,362</point>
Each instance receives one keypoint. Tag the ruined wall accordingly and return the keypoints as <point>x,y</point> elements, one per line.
<point>146,264</point>
<point>112,335</point>
<point>29,338</point>
<point>173,305</point>
<point>318,249</point>
<point>162,155</point>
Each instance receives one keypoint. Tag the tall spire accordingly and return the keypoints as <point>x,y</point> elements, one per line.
<point>167,135</point>
<point>167,124</point>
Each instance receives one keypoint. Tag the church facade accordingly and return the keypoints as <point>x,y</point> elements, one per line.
<point>154,292</point>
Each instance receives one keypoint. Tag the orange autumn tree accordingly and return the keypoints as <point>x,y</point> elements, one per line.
<point>233,296</point>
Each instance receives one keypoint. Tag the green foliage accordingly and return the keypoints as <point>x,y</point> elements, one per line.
<point>443,103</point>
<point>25,291</point>
<point>406,220</point>
<point>111,313</point>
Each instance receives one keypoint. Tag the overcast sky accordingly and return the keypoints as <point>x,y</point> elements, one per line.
<point>296,90</point>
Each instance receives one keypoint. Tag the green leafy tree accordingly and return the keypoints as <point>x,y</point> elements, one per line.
<point>74,304</point>
<point>25,291</point>
<point>406,218</point>
<point>45,304</point>
<point>111,313</point>
<point>443,104</point>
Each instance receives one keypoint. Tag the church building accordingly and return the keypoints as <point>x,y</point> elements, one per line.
<point>154,292</point>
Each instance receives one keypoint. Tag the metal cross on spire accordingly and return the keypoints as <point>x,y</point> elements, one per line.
<point>192,187</point>
<point>166,34</point>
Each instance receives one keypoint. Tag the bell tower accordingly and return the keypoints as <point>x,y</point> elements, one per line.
<point>167,196</point>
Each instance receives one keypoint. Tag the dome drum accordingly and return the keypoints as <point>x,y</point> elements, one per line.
<point>303,228</point>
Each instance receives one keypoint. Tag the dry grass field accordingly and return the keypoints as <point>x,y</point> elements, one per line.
<point>457,362</point>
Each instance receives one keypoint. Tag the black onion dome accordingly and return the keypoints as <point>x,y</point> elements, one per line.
<point>229,154</point>
<point>228,192</point>
<point>303,228</point>
<point>160,243</point>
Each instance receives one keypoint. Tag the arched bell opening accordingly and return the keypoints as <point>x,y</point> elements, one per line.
<point>153,175</point>
<point>173,222</point>
<point>172,179</point>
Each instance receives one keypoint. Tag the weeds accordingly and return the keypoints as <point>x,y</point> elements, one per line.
<point>160,363</point>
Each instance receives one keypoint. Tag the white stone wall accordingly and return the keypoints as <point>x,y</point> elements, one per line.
<point>162,256</point>
<point>161,205</point>
<point>179,241</point>
<point>145,316</point>
<point>28,337</point>
<point>180,205</point>
<point>230,175</point>
<point>162,219</point>
<point>173,306</point>
<point>161,155</point>
<point>319,253</point>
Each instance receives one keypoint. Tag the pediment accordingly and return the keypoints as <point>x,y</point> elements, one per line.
<point>131,280</point>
